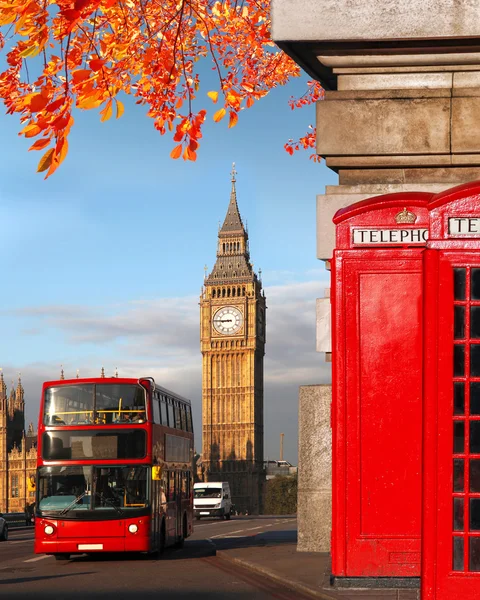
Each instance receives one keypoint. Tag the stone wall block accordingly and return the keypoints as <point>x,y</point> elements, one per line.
<point>383,127</point>
<point>314,469</point>
<point>395,81</point>
<point>330,20</point>
<point>465,129</point>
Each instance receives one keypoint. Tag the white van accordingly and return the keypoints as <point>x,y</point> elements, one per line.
<point>212,499</point>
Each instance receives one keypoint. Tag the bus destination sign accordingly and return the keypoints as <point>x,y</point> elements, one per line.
<point>390,237</point>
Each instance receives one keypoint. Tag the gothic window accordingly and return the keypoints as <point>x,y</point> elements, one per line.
<point>14,485</point>
<point>243,291</point>
<point>223,292</point>
<point>238,291</point>
<point>228,292</point>
<point>224,247</point>
<point>233,289</point>
<point>213,294</point>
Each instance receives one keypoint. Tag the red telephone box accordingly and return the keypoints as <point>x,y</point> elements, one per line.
<point>377,287</point>
<point>451,483</point>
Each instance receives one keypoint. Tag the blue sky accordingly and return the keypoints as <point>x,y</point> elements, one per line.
<point>102,264</point>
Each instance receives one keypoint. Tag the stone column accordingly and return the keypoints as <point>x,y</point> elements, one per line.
<point>314,469</point>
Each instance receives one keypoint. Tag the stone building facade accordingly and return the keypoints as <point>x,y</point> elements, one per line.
<point>232,332</point>
<point>18,451</point>
<point>400,114</point>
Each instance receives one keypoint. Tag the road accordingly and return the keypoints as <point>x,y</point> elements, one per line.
<point>191,572</point>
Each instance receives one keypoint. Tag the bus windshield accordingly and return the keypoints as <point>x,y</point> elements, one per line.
<point>90,404</point>
<point>79,489</point>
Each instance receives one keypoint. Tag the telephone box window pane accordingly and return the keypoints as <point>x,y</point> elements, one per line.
<point>475,398</point>
<point>475,285</point>
<point>474,514</point>
<point>459,322</point>
<point>475,476</point>
<point>458,360</point>
<point>474,552</point>
<point>458,475</point>
<point>475,437</point>
<point>475,360</point>
<point>458,553</point>
<point>474,321</point>
<point>459,398</point>
<point>459,280</point>
<point>458,437</point>
<point>458,514</point>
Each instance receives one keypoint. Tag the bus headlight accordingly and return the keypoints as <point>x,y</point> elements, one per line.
<point>49,529</point>
<point>133,528</point>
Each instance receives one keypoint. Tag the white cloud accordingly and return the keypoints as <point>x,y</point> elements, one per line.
<point>161,338</point>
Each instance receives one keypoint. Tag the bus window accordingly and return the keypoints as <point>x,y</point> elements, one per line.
<point>171,418</point>
<point>171,486</point>
<point>156,410</point>
<point>178,420</point>
<point>189,418</point>
<point>68,405</point>
<point>163,411</point>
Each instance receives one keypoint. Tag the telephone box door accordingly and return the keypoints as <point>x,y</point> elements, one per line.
<point>451,525</point>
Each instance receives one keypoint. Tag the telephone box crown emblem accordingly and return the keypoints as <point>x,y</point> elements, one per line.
<point>405,216</point>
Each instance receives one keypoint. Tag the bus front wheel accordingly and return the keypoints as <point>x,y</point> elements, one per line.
<point>62,556</point>
<point>162,539</point>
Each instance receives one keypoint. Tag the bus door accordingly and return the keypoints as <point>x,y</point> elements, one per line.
<point>156,520</point>
<point>178,504</point>
<point>171,517</point>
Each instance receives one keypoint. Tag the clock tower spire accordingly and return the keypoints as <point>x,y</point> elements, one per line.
<point>232,312</point>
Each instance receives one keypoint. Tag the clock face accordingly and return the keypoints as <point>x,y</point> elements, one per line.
<point>227,320</point>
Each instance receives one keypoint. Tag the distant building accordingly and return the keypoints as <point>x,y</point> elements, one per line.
<point>232,317</point>
<point>279,468</point>
<point>18,451</point>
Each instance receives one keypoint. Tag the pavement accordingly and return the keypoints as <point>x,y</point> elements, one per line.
<point>274,555</point>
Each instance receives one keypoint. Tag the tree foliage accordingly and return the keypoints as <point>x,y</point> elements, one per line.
<point>80,54</point>
<point>281,496</point>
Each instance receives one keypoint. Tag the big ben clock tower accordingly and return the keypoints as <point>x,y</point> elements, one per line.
<point>232,335</point>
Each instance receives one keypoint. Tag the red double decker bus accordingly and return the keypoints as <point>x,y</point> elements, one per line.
<point>114,468</point>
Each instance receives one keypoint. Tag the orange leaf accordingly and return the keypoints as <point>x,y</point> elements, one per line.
<point>218,116</point>
<point>45,161</point>
<point>89,102</point>
<point>107,111</point>
<point>176,152</point>
<point>250,102</point>
<point>81,75</point>
<point>96,64</point>
<point>37,103</point>
<point>120,109</point>
<point>40,144</point>
<point>61,150</point>
<point>233,119</point>
<point>32,131</point>
<point>213,96</point>
<point>189,154</point>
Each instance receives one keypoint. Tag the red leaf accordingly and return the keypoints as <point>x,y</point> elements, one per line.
<point>96,64</point>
